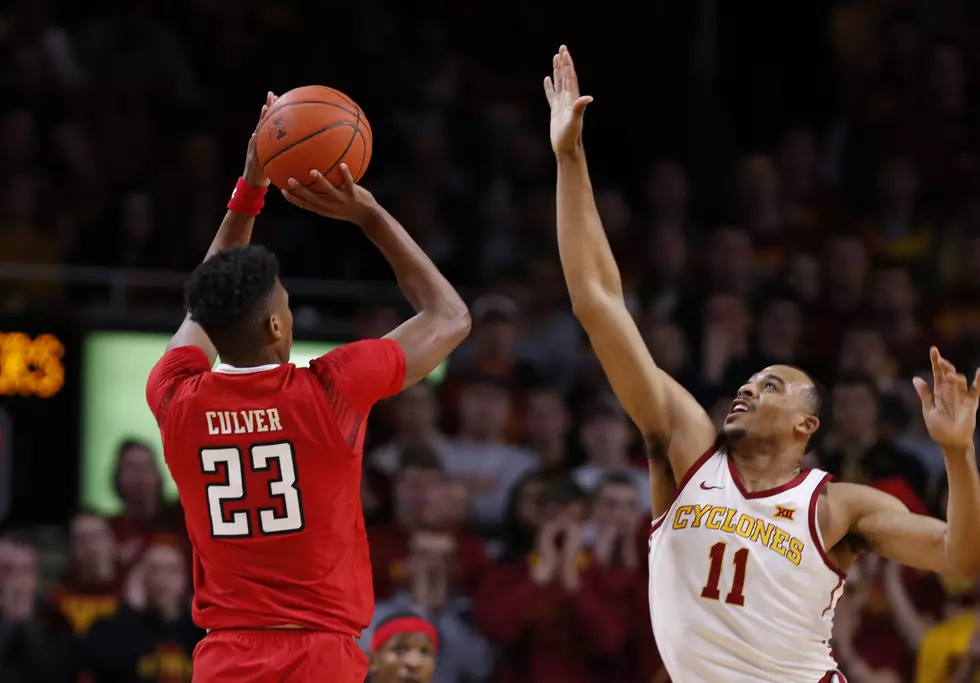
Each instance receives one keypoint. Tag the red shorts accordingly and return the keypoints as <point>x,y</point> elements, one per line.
<point>278,655</point>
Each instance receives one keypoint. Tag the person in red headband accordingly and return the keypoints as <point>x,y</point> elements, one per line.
<point>403,650</point>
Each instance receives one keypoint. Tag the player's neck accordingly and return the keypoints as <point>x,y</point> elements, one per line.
<point>252,360</point>
<point>765,466</point>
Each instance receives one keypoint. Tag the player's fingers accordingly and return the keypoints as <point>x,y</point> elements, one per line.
<point>295,200</point>
<point>270,98</point>
<point>922,389</point>
<point>556,72</point>
<point>572,75</point>
<point>305,193</point>
<point>959,382</point>
<point>321,185</point>
<point>549,89</point>
<point>349,183</point>
<point>975,389</point>
<point>936,361</point>
<point>578,107</point>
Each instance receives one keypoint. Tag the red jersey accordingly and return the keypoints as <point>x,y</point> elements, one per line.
<point>267,462</point>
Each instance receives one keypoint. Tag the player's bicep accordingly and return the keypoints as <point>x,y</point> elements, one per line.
<point>893,532</point>
<point>426,339</point>
<point>175,366</point>
<point>670,419</point>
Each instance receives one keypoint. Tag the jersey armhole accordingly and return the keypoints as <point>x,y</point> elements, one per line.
<point>691,471</point>
<point>815,534</point>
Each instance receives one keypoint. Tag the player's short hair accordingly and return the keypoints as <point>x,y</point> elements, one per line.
<point>419,456</point>
<point>230,295</point>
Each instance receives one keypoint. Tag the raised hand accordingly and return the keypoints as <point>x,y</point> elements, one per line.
<point>349,202</point>
<point>254,174</point>
<point>949,408</point>
<point>567,103</point>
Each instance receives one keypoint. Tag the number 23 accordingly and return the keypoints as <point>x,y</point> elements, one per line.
<point>239,524</point>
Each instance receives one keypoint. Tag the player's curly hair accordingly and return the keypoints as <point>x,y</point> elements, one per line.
<point>230,295</point>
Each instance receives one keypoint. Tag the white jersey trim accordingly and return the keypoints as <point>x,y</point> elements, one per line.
<point>226,369</point>
<point>814,522</point>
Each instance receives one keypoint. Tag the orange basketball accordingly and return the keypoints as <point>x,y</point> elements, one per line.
<point>313,127</point>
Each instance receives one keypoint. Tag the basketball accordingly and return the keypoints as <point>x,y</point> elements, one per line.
<point>313,127</point>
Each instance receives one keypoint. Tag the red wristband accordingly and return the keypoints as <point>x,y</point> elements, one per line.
<point>247,199</point>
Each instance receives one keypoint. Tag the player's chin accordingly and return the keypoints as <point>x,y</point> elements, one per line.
<point>732,429</point>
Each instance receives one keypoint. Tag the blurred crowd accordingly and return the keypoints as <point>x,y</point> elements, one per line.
<point>509,503</point>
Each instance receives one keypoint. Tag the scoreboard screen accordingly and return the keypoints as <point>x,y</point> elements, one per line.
<point>114,369</point>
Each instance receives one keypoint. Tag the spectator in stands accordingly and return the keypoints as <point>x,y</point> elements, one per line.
<point>416,419</point>
<point>465,657</point>
<point>856,451</point>
<point>843,301</point>
<point>151,637</point>
<point>421,485</point>
<point>950,652</point>
<point>546,427</point>
<point>90,589</point>
<point>480,454</point>
<point>36,643</point>
<point>405,647</point>
<point>139,485</point>
<point>550,335</point>
<point>544,602</point>
<point>893,309</point>
<point>605,436</point>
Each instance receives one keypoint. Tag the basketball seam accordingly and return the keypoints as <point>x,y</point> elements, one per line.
<point>307,137</point>
<point>326,104</point>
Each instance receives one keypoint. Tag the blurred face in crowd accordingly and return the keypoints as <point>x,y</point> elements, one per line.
<point>165,577</point>
<point>667,253</point>
<point>416,493</point>
<point>729,257</point>
<point>18,566</point>
<point>893,291</point>
<point>780,326</point>
<point>846,267</point>
<point>855,411</point>
<point>377,322</point>
<point>758,182</point>
<point>614,211</point>
<point>139,479</point>
<point>450,507</point>
<point>668,191</point>
<point>667,346</point>
<point>605,439</point>
<point>616,504</point>
<point>547,286</point>
<point>863,350</point>
<point>495,336</point>
<point>416,411</point>
<point>798,157</point>
<point>948,75</point>
<point>483,411</point>
<point>545,418</point>
<point>729,313</point>
<point>92,547</point>
<point>404,658</point>
<point>776,404</point>
<point>803,276</point>
<point>898,184</point>
<point>529,503</point>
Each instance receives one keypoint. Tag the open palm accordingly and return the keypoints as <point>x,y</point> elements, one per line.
<point>567,103</point>
<point>949,408</point>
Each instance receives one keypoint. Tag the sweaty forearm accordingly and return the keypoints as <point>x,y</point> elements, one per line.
<point>963,511</point>
<point>586,256</point>
<point>421,282</point>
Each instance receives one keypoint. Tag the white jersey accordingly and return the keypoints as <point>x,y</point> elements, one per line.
<point>741,588</point>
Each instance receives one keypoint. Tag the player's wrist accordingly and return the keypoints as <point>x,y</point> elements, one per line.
<point>247,198</point>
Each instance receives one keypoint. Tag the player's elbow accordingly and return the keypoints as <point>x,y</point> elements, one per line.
<point>593,304</point>
<point>455,324</point>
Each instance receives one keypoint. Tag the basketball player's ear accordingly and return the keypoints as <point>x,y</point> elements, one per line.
<point>807,425</point>
<point>274,328</point>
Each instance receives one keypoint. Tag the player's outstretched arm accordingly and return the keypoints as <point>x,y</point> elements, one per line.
<point>442,320</point>
<point>235,231</point>
<point>950,547</point>
<point>671,420</point>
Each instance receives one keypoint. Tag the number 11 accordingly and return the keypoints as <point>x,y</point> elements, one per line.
<point>735,595</point>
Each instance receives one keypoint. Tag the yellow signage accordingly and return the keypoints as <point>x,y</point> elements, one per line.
<point>31,367</point>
